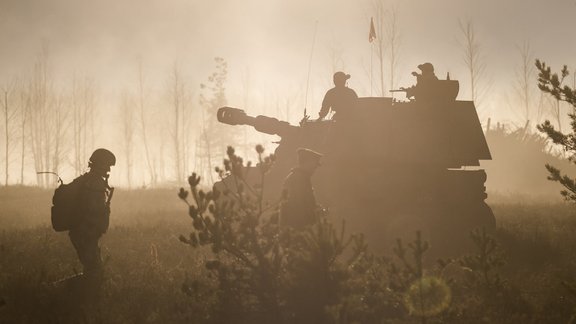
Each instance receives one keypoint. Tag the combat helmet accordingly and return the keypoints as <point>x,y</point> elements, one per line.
<point>103,157</point>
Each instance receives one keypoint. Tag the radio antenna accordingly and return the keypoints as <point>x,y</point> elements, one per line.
<point>50,172</point>
<point>310,67</point>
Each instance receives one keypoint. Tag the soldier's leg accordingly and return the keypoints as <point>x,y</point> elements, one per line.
<point>78,239</point>
<point>93,262</point>
<point>86,245</point>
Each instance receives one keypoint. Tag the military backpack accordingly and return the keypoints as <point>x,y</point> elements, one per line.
<point>65,204</point>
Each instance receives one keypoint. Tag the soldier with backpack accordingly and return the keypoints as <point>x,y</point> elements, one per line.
<point>92,212</point>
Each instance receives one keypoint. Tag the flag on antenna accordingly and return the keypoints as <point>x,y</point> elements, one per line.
<point>372,34</point>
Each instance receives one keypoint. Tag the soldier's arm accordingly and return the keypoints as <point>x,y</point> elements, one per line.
<point>410,92</point>
<point>325,105</point>
<point>353,93</point>
<point>97,209</point>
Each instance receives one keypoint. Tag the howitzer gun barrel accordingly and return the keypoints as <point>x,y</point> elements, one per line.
<point>263,124</point>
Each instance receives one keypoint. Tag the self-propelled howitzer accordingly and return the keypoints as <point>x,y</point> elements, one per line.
<point>391,168</point>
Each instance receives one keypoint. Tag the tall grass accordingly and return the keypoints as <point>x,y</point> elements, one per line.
<point>153,278</point>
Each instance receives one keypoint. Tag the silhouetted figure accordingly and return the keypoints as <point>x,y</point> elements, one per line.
<point>298,208</point>
<point>340,98</point>
<point>393,168</point>
<point>424,82</point>
<point>93,214</point>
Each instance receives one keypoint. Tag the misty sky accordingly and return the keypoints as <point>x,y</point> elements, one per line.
<point>267,44</point>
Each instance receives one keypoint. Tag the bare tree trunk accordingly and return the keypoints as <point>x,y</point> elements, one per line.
<point>208,148</point>
<point>188,134</point>
<point>39,115</point>
<point>474,61</point>
<point>7,136</point>
<point>472,56</point>
<point>77,126</point>
<point>57,136</point>
<point>92,116</point>
<point>246,88</point>
<point>84,132</point>
<point>10,113</point>
<point>387,40</point>
<point>83,107</point>
<point>335,55</point>
<point>393,45</point>
<point>469,57</point>
<point>25,99</point>
<point>217,138</point>
<point>128,132</point>
<point>48,141</point>
<point>380,42</point>
<point>48,118</point>
<point>525,78</point>
<point>143,124</point>
<point>61,145</point>
<point>179,124</point>
<point>88,119</point>
<point>176,105</point>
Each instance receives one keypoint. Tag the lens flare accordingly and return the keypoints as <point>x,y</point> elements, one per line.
<point>428,296</point>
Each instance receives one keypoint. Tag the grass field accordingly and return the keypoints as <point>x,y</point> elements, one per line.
<point>147,267</point>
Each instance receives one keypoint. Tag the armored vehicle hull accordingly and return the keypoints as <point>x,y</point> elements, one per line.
<point>391,168</point>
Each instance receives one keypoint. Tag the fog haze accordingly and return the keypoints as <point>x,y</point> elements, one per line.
<point>267,45</point>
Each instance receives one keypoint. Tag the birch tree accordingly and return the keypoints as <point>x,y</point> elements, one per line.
<point>48,121</point>
<point>40,93</point>
<point>9,111</point>
<point>524,79</point>
<point>143,115</point>
<point>214,138</point>
<point>379,12</point>
<point>474,61</point>
<point>127,117</point>
<point>179,99</point>
<point>388,41</point>
<point>24,114</point>
<point>83,102</point>
<point>393,41</point>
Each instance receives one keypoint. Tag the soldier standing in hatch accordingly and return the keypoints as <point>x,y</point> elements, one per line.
<point>424,81</point>
<point>298,207</point>
<point>340,98</point>
<point>93,214</point>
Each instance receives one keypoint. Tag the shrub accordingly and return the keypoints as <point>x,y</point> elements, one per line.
<point>265,273</point>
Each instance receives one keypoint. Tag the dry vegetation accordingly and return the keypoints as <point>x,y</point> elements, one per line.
<point>155,278</point>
